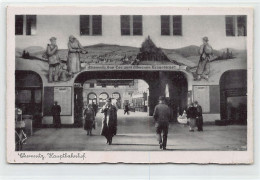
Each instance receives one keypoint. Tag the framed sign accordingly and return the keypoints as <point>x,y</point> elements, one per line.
<point>63,96</point>
<point>201,94</point>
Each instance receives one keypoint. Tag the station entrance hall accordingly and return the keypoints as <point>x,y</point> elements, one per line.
<point>139,89</point>
<point>132,59</point>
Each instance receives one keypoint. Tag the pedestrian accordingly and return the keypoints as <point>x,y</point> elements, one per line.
<point>126,109</point>
<point>95,108</point>
<point>192,114</point>
<point>56,110</point>
<point>203,68</point>
<point>73,62</point>
<point>109,121</point>
<point>200,117</point>
<point>162,115</point>
<point>89,117</point>
<point>54,61</point>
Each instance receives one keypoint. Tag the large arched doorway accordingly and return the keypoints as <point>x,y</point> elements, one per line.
<point>28,94</point>
<point>176,82</point>
<point>233,96</point>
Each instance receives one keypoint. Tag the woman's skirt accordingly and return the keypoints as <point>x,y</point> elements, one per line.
<point>73,63</point>
<point>192,123</point>
<point>88,125</point>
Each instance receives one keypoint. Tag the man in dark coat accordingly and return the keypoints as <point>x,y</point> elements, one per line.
<point>126,109</point>
<point>192,114</point>
<point>55,110</point>
<point>162,115</point>
<point>200,117</point>
<point>109,121</point>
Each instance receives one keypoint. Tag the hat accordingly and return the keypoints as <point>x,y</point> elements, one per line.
<point>53,38</point>
<point>109,100</point>
<point>71,37</point>
<point>205,38</point>
<point>161,98</point>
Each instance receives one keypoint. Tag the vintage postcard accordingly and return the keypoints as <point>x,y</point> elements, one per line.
<point>125,84</point>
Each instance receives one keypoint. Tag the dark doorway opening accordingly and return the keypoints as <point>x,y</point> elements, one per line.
<point>233,96</point>
<point>172,84</point>
<point>28,95</point>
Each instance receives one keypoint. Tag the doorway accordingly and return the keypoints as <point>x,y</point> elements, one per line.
<point>159,82</point>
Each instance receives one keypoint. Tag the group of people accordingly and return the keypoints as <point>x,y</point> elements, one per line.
<point>194,114</point>
<point>73,61</point>
<point>162,116</point>
<point>109,121</point>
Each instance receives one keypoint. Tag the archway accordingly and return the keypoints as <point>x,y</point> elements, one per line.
<point>176,83</point>
<point>28,94</point>
<point>233,96</point>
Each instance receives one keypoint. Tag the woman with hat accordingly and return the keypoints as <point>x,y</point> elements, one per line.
<point>205,51</point>
<point>75,48</point>
<point>89,117</point>
<point>109,121</point>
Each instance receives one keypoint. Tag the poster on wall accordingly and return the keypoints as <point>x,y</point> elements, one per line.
<point>201,94</point>
<point>63,96</point>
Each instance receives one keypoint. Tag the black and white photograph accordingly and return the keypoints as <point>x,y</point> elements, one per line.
<point>167,81</point>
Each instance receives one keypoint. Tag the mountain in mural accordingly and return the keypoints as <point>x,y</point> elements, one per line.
<point>123,55</point>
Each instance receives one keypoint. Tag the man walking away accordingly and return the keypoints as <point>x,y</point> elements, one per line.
<point>56,109</point>
<point>126,109</point>
<point>192,114</point>
<point>200,117</point>
<point>162,115</point>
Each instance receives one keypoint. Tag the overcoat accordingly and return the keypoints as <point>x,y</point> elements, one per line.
<point>89,116</point>
<point>109,121</point>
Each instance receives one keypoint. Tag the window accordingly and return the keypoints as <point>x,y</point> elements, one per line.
<point>165,25</point>
<point>97,25</point>
<point>125,25</point>
<point>19,25</point>
<point>30,24</point>
<point>230,26</point>
<point>137,25</point>
<point>177,25</point>
<point>90,25</point>
<point>91,85</point>
<point>171,25</point>
<point>25,23</point>
<point>241,26</point>
<point>131,25</point>
<point>236,26</point>
<point>84,25</point>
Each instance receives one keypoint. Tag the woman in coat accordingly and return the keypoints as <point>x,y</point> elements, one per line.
<point>75,48</point>
<point>192,114</point>
<point>89,117</point>
<point>109,121</point>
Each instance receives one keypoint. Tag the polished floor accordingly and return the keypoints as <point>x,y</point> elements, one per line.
<point>136,132</point>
